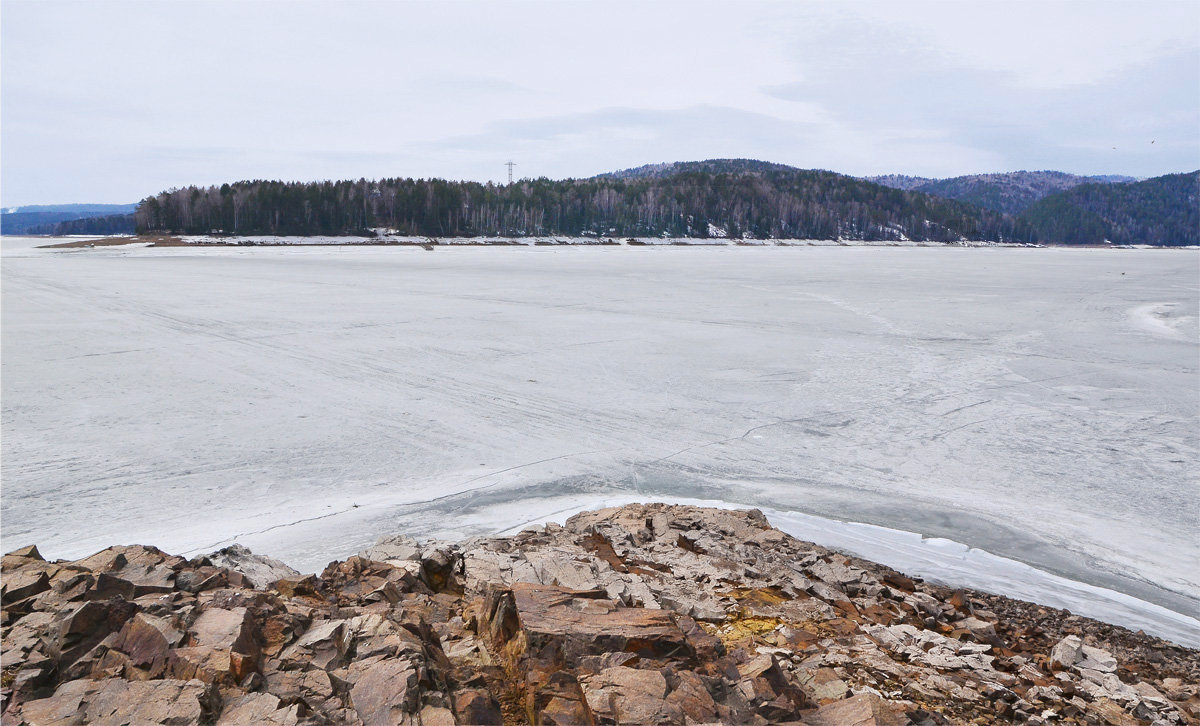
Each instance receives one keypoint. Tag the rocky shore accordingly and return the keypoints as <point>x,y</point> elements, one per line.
<point>643,614</point>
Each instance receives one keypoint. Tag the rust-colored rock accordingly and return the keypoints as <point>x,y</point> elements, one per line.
<point>385,692</point>
<point>647,614</point>
<point>861,710</point>
<point>587,622</point>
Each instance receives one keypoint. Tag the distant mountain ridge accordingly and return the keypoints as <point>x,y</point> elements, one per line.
<point>81,209</point>
<point>1010,192</point>
<point>45,218</point>
<point>1163,211</point>
<point>708,166</point>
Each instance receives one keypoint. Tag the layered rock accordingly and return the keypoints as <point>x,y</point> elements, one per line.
<point>644,614</point>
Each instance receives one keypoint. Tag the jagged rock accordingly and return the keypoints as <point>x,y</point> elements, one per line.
<point>144,643</point>
<point>309,687</point>
<point>1113,714</point>
<point>36,673</point>
<point>473,706</point>
<point>626,695</point>
<point>80,628</point>
<point>22,584</point>
<point>260,570</point>
<point>385,692</point>
<point>323,646</point>
<point>932,649</point>
<point>117,702</point>
<point>824,685</point>
<point>65,708</point>
<point>258,708</point>
<point>583,622</point>
<point>221,644</point>
<point>861,710</point>
<point>395,548</point>
<point>590,623</point>
<point>28,552</point>
<point>1070,652</point>
<point>225,629</point>
<point>690,698</point>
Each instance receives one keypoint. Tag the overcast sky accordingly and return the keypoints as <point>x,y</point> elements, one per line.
<point>113,101</point>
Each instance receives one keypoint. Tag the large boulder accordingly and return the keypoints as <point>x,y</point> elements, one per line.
<point>117,702</point>
<point>865,709</point>
<point>626,695</point>
<point>385,691</point>
<point>578,622</point>
<point>260,570</point>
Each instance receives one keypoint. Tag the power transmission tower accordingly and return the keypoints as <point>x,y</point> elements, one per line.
<point>510,165</point>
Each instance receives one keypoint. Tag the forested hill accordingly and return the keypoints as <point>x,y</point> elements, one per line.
<point>738,199</point>
<point>111,224</point>
<point>1160,211</point>
<point>709,166</point>
<point>1011,193</point>
<point>46,218</point>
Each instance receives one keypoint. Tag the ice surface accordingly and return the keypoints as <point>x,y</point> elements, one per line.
<point>1035,404</point>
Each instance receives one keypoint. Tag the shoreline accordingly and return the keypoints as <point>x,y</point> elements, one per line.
<point>673,614</point>
<point>939,560</point>
<point>945,562</point>
<point>429,243</point>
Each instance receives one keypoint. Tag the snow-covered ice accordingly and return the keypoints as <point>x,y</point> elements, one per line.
<point>1040,405</point>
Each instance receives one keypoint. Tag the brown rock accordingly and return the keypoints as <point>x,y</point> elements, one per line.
<point>560,711</point>
<point>77,630</point>
<point>22,584</point>
<point>691,698</point>
<point>474,706</point>
<point>36,673</point>
<point>900,582</point>
<point>258,708</point>
<point>210,665</point>
<point>297,587</point>
<point>1112,713</point>
<point>626,695</point>
<point>146,642</point>
<point>309,687</point>
<point>322,646</point>
<point>28,552</point>
<point>862,710</point>
<point>64,708</point>
<point>225,630</point>
<point>582,622</point>
<point>385,692</point>
<point>825,686</point>
<point>105,587</point>
<point>115,702</point>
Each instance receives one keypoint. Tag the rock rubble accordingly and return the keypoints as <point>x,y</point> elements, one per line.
<point>643,614</point>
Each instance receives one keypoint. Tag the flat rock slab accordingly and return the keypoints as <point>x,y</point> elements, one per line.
<point>592,623</point>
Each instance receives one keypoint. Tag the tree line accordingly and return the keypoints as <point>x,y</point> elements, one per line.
<point>775,203</point>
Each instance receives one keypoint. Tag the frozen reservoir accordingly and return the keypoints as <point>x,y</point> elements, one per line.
<point>1040,405</point>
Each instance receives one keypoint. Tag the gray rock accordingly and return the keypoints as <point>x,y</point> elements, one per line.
<point>397,547</point>
<point>260,570</point>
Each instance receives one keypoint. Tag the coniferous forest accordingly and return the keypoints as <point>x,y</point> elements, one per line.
<point>737,198</point>
<point>1160,211</point>
<point>761,203</point>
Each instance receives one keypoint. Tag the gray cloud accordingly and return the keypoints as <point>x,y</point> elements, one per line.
<point>112,101</point>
